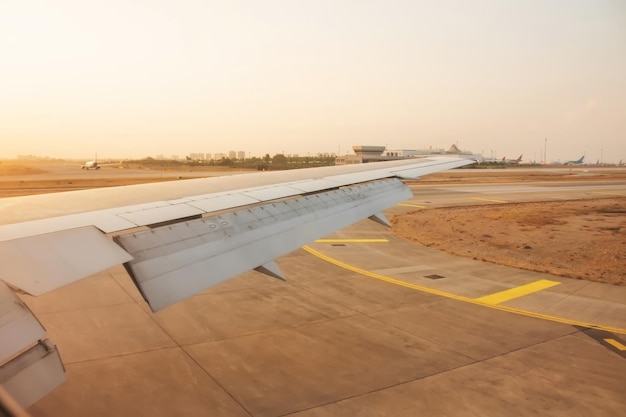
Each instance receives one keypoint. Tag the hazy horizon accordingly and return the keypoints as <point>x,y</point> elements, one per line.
<point>130,79</point>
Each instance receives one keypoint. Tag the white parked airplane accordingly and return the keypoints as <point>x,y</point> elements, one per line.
<point>175,239</point>
<point>95,164</point>
<point>90,165</point>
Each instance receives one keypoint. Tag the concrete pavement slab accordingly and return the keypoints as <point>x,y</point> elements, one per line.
<point>574,307</point>
<point>211,317</point>
<point>320,363</point>
<point>299,265</point>
<point>600,291</point>
<point>568,376</point>
<point>99,332</point>
<point>161,383</point>
<point>251,279</point>
<point>367,295</point>
<point>484,333</point>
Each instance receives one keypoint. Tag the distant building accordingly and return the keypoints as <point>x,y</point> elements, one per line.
<point>197,156</point>
<point>454,150</point>
<point>241,155</point>
<point>365,154</point>
<point>232,155</point>
<point>400,153</point>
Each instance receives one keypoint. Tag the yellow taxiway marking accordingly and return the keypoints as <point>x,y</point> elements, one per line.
<point>516,292</point>
<point>352,241</point>
<point>460,297</point>
<point>489,199</point>
<point>617,345</point>
<point>410,205</point>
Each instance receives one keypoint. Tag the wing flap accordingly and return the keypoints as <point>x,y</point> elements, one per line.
<point>310,186</point>
<point>61,258</point>
<point>273,193</point>
<point>33,374</point>
<point>30,366</point>
<point>18,327</point>
<point>168,268</point>
<point>103,220</point>
<point>161,214</point>
<point>219,202</point>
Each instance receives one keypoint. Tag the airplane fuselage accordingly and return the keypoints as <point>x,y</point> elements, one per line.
<point>90,165</point>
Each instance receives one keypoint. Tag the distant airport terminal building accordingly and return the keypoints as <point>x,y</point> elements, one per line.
<point>364,154</point>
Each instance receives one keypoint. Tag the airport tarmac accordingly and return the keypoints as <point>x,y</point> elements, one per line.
<point>73,171</point>
<point>367,324</point>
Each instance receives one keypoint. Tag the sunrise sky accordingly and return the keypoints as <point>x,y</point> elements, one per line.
<point>135,78</point>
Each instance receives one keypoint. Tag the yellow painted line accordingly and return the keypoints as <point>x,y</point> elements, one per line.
<point>460,297</point>
<point>516,292</point>
<point>352,241</point>
<point>410,205</point>
<point>489,199</point>
<point>617,345</point>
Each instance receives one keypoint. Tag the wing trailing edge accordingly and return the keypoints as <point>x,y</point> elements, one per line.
<point>173,262</point>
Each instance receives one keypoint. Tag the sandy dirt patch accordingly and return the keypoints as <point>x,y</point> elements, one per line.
<point>16,188</point>
<point>584,239</point>
<point>7,169</point>
<point>522,174</point>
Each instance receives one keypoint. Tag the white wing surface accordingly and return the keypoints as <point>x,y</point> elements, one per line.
<point>194,233</point>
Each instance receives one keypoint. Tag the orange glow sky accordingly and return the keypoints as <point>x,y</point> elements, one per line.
<point>135,78</point>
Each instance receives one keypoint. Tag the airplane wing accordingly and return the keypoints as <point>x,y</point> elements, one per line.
<point>178,238</point>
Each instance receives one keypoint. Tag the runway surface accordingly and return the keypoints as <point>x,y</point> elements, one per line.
<point>366,325</point>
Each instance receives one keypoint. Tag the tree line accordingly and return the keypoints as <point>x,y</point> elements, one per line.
<point>265,163</point>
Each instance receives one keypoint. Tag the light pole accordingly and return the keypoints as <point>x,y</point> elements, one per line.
<point>545,151</point>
